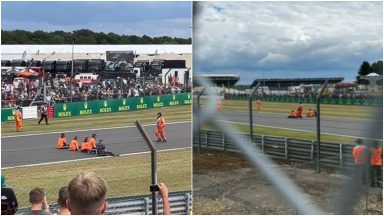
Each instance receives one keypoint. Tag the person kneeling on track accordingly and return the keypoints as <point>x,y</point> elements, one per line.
<point>86,146</point>
<point>61,142</point>
<point>102,151</point>
<point>293,114</point>
<point>74,146</point>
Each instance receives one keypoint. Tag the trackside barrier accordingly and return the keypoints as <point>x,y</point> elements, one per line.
<point>119,105</point>
<point>180,203</point>
<point>106,106</point>
<point>333,155</point>
<point>373,101</point>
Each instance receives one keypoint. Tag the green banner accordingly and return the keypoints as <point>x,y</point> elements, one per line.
<point>341,101</point>
<point>7,114</point>
<point>119,105</point>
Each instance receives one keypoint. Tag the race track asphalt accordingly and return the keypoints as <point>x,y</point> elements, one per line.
<point>35,149</point>
<point>348,127</point>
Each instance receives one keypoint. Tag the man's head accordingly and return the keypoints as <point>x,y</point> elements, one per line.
<point>63,196</point>
<point>159,114</point>
<point>62,135</point>
<point>93,135</point>
<point>36,196</point>
<point>87,194</point>
<point>359,141</point>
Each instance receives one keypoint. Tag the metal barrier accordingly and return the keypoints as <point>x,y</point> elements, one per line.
<point>180,202</point>
<point>333,155</point>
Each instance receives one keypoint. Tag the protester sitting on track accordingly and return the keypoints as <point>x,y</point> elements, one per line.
<point>62,201</point>
<point>293,114</point>
<point>38,201</point>
<point>86,146</point>
<point>74,146</point>
<point>9,202</point>
<point>61,142</point>
<point>92,140</point>
<point>310,113</point>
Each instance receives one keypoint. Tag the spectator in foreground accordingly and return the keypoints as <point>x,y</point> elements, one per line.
<point>88,195</point>
<point>9,202</point>
<point>62,201</point>
<point>39,204</point>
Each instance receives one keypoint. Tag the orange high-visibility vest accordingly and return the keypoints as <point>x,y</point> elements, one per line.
<point>358,153</point>
<point>376,154</point>
<point>60,143</point>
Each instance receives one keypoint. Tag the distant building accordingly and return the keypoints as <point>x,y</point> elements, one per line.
<point>220,80</point>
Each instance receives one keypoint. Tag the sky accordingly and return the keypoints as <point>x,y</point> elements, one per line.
<point>286,39</point>
<point>154,19</point>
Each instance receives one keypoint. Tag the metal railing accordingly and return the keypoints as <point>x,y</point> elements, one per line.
<point>335,155</point>
<point>180,203</point>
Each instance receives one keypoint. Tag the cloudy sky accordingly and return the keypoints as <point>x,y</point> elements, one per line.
<point>132,18</point>
<point>286,39</point>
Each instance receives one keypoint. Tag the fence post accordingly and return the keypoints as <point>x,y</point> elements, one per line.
<point>286,148</point>
<point>224,142</point>
<point>262,143</point>
<point>341,155</point>
<point>206,138</point>
<point>312,150</point>
<point>146,205</point>
<point>189,203</point>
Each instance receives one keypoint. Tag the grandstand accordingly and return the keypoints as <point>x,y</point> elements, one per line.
<point>283,84</point>
<point>221,80</point>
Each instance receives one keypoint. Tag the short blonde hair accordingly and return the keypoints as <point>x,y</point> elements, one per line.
<point>87,192</point>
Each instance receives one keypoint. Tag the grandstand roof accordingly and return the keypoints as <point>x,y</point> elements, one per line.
<point>225,80</point>
<point>297,81</point>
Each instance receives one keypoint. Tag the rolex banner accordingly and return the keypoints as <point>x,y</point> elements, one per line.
<point>118,105</point>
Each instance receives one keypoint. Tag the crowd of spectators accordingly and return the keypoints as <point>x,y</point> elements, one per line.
<point>22,92</point>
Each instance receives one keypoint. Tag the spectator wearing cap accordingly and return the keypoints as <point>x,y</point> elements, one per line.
<point>9,202</point>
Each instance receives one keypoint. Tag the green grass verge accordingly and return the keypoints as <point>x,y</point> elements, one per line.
<point>268,131</point>
<point>171,114</point>
<point>327,110</point>
<point>125,175</point>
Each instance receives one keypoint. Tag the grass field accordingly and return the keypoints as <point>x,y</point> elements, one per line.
<point>172,114</point>
<point>125,175</point>
<point>327,110</point>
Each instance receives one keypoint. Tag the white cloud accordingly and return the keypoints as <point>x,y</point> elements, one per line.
<point>282,35</point>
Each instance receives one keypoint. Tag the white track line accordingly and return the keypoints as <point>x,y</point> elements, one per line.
<point>93,129</point>
<point>243,123</point>
<point>94,158</point>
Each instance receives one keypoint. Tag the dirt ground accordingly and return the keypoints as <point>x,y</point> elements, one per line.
<point>224,183</point>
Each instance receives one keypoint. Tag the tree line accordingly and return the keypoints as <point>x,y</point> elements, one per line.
<point>83,36</point>
<point>366,68</point>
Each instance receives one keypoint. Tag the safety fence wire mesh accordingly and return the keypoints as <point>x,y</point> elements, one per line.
<point>257,159</point>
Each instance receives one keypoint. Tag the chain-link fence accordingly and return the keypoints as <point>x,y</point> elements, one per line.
<point>261,185</point>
